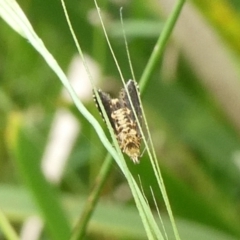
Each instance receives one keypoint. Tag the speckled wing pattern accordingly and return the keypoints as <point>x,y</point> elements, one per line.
<point>122,118</point>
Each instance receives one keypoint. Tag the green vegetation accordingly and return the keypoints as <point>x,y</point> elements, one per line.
<point>191,100</point>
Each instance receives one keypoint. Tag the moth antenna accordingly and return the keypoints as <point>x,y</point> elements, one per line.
<point>129,59</point>
<point>108,42</point>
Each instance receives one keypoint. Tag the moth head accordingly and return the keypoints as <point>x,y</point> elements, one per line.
<point>133,151</point>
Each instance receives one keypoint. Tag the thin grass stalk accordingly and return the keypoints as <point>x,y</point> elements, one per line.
<point>159,48</point>
<point>151,228</point>
<point>80,228</point>
<point>156,55</point>
<point>7,228</point>
<point>150,225</point>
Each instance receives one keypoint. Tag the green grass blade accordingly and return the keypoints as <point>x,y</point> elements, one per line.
<point>44,195</point>
<point>161,43</point>
<point>6,227</point>
<point>80,228</point>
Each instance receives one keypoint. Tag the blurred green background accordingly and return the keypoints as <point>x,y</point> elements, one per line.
<point>192,104</point>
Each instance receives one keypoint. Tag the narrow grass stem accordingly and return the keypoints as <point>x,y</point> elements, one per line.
<point>160,45</point>
<point>80,228</point>
<point>6,228</point>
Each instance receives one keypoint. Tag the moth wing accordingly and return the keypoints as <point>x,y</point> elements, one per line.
<point>134,95</point>
<point>106,102</point>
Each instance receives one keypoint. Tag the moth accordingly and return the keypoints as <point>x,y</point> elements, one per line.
<point>122,118</point>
